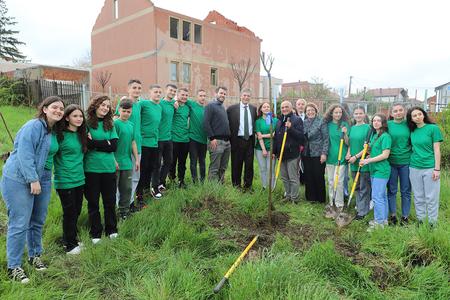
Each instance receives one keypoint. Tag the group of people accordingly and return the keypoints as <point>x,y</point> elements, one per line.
<point>127,153</point>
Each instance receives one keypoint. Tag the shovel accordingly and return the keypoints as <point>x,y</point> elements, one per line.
<point>345,218</point>
<point>5,156</point>
<point>281,156</point>
<point>331,211</point>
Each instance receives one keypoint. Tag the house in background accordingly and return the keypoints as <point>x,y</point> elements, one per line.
<point>442,96</point>
<point>431,104</point>
<point>389,94</point>
<point>298,88</point>
<point>136,39</point>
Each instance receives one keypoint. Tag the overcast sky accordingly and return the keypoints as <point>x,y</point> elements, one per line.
<point>382,43</point>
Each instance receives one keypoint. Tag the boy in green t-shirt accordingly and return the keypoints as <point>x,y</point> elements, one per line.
<point>126,146</point>
<point>150,160</point>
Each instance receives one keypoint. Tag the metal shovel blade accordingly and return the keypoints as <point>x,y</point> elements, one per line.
<point>343,219</point>
<point>330,212</point>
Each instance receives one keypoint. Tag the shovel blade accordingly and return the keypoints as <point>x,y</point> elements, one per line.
<point>343,219</point>
<point>330,212</point>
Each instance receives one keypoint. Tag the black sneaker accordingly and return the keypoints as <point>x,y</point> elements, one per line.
<point>162,188</point>
<point>404,221</point>
<point>155,194</point>
<point>393,220</point>
<point>359,217</point>
<point>37,263</point>
<point>18,274</point>
<point>133,207</point>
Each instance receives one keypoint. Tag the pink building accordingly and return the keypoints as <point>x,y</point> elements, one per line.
<point>135,39</point>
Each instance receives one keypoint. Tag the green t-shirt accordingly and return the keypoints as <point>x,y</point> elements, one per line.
<point>54,146</point>
<point>263,128</point>
<point>165,127</point>
<point>380,169</point>
<point>422,140</point>
<point>180,124</point>
<point>98,161</point>
<point>125,132</point>
<point>150,120</point>
<point>334,137</point>
<point>135,119</point>
<point>196,131</point>
<point>401,145</point>
<point>357,136</point>
<point>69,171</point>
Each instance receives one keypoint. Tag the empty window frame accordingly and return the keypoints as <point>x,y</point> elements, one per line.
<point>186,31</point>
<point>174,71</point>
<point>116,9</point>
<point>174,27</point>
<point>197,34</point>
<point>214,75</point>
<point>186,73</point>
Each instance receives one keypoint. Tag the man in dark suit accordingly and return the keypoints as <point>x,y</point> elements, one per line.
<point>242,119</point>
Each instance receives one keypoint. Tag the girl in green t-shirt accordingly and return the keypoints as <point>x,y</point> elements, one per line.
<point>69,173</point>
<point>399,161</point>
<point>380,170</point>
<point>262,145</point>
<point>336,119</point>
<point>425,164</point>
<point>100,168</point>
<point>358,136</point>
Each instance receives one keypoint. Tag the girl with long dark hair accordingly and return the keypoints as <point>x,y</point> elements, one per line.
<point>425,164</point>
<point>380,170</point>
<point>100,168</point>
<point>69,173</point>
<point>26,186</point>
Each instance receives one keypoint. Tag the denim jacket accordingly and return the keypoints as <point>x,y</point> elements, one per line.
<point>316,133</point>
<point>31,146</point>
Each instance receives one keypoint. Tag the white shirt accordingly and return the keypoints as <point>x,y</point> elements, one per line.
<point>241,120</point>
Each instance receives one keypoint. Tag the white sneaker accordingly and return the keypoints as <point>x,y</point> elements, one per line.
<point>74,251</point>
<point>113,235</point>
<point>96,240</point>
<point>370,205</point>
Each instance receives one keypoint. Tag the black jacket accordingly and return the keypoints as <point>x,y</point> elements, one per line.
<point>233,113</point>
<point>215,121</point>
<point>294,139</point>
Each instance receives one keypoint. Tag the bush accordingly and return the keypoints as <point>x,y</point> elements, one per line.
<point>11,91</point>
<point>443,120</point>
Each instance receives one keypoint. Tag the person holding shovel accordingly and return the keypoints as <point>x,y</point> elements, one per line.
<point>291,126</point>
<point>380,169</point>
<point>357,138</point>
<point>336,119</point>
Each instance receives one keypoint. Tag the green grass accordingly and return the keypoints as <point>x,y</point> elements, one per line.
<point>180,247</point>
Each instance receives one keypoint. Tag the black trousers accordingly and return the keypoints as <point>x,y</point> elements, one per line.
<point>314,176</point>
<point>242,153</point>
<point>197,152</point>
<point>180,153</point>
<point>166,154</point>
<point>150,166</point>
<point>71,203</point>
<point>104,184</point>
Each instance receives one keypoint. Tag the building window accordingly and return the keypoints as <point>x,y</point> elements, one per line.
<point>186,73</point>
<point>174,71</point>
<point>186,31</point>
<point>116,9</point>
<point>174,27</point>
<point>197,33</point>
<point>214,75</point>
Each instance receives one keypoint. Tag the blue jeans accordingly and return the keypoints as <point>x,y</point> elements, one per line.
<point>26,217</point>
<point>380,201</point>
<point>399,172</point>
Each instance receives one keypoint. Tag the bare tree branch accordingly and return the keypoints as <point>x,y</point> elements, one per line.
<point>242,71</point>
<point>102,78</point>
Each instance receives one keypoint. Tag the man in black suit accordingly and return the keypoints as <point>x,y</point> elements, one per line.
<point>242,119</point>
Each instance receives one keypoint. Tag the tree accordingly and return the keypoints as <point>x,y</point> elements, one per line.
<point>84,61</point>
<point>102,78</point>
<point>318,90</point>
<point>8,43</point>
<point>242,71</point>
<point>267,62</point>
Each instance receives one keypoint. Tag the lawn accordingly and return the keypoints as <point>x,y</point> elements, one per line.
<point>180,247</point>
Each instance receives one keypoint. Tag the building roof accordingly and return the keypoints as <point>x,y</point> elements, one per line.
<point>432,99</point>
<point>388,92</point>
<point>214,17</point>
<point>6,66</point>
<point>442,85</point>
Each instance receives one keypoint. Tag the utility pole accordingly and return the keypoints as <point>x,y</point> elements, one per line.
<point>350,87</point>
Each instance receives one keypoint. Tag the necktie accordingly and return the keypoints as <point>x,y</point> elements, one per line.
<point>246,131</point>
